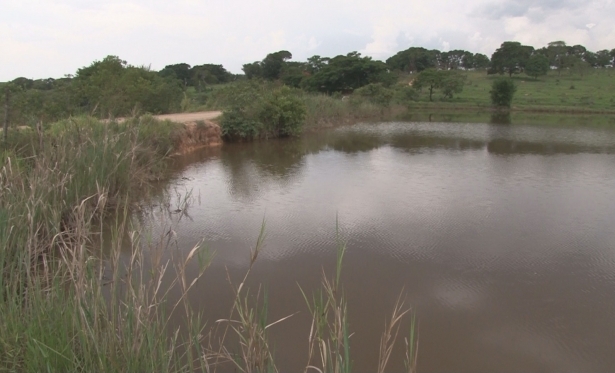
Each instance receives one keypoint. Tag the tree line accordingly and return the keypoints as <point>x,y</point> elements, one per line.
<point>111,87</point>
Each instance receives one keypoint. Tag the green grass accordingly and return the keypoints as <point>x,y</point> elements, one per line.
<point>593,92</point>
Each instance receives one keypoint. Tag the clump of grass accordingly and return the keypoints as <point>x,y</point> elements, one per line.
<point>59,312</point>
<point>329,339</point>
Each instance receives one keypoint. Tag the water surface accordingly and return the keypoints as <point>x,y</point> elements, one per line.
<point>500,235</point>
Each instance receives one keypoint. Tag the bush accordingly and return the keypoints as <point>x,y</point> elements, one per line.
<point>375,93</point>
<point>267,114</point>
<point>502,92</point>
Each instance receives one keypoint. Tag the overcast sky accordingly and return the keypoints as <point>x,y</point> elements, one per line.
<point>51,38</point>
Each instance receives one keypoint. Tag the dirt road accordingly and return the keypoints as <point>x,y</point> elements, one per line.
<point>189,117</point>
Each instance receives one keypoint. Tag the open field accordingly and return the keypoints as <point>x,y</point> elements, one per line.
<point>594,91</point>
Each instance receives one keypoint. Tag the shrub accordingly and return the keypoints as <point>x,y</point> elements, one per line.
<point>375,93</point>
<point>276,112</point>
<point>502,92</point>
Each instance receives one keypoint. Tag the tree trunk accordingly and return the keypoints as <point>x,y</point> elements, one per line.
<point>6,114</point>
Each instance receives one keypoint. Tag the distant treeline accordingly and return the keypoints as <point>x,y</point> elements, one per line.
<point>111,87</point>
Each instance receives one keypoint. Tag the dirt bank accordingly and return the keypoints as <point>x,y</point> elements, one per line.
<point>189,117</point>
<point>198,134</point>
<point>198,130</point>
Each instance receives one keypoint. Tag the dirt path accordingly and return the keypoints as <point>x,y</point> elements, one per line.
<point>189,117</point>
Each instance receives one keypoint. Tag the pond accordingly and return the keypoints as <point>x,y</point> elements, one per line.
<point>500,236</point>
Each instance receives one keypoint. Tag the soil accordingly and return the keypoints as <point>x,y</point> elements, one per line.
<point>190,117</point>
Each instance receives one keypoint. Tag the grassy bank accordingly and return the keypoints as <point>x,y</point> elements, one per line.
<point>75,299</point>
<point>57,187</point>
<point>566,93</point>
<point>593,92</point>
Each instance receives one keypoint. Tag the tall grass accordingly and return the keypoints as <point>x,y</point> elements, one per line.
<point>58,311</point>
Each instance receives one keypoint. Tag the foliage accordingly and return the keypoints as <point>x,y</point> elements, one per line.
<point>502,92</point>
<point>418,59</point>
<point>347,73</point>
<point>414,59</point>
<point>449,82</point>
<point>405,94</point>
<point>537,65</point>
<point>112,88</point>
<point>270,68</point>
<point>376,93</point>
<point>510,58</point>
<point>276,112</point>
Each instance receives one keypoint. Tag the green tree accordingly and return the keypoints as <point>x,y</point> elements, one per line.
<point>273,64</point>
<point>452,82</point>
<point>510,58</point>
<point>203,75</point>
<point>481,61</point>
<point>347,73</point>
<point>180,71</point>
<point>253,70</point>
<point>537,65</point>
<point>316,63</point>
<point>376,93</point>
<point>414,59</point>
<point>502,92</point>
<point>603,58</point>
<point>293,73</point>
<point>112,87</point>
<point>448,81</point>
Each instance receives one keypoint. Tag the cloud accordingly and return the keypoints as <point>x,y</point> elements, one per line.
<point>56,37</point>
<point>519,8</point>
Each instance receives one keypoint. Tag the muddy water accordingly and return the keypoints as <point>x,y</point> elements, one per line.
<point>502,236</point>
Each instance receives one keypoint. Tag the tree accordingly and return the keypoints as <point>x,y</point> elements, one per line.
<point>475,61</point>
<point>113,87</point>
<point>510,58</point>
<point>347,73</point>
<point>376,93</point>
<point>202,75</point>
<point>414,59</point>
<point>449,82</point>
<point>273,64</point>
<point>316,63</point>
<point>180,71</point>
<point>253,70</point>
<point>481,61</point>
<point>556,52</point>
<point>502,92</point>
<point>537,65</point>
<point>603,58</point>
<point>293,73</point>
<point>452,82</point>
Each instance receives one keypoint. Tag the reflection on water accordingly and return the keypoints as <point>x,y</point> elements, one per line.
<point>501,235</point>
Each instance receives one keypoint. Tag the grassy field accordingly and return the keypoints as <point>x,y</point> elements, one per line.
<point>594,91</point>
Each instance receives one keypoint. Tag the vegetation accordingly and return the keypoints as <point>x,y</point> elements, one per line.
<point>592,93</point>
<point>267,113</point>
<point>447,81</point>
<point>74,298</point>
<point>502,92</point>
<point>110,88</point>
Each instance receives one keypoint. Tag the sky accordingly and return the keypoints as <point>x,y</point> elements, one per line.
<point>52,38</point>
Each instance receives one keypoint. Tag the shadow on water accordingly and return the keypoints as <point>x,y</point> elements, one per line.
<point>501,117</point>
